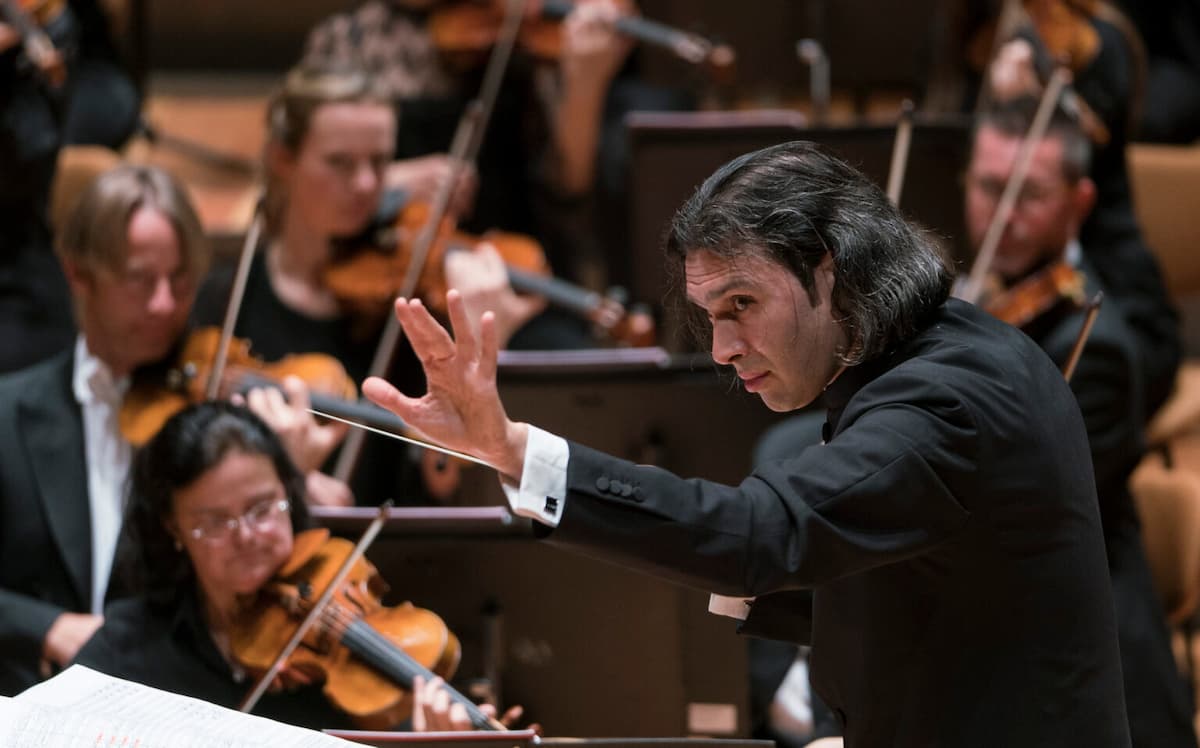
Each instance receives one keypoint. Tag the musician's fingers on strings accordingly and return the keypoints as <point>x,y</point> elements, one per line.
<point>510,717</point>
<point>297,393</point>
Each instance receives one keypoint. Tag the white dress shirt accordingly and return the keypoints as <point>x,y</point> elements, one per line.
<point>108,457</point>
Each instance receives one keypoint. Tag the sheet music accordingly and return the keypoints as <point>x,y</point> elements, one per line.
<point>81,707</point>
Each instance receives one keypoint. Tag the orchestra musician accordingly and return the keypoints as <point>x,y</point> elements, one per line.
<point>133,252</point>
<point>539,159</point>
<point>955,470</point>
<point>331,134</point>
<point>35,315</point>
<point>215,502</point>
<point>1044,231</point>
<point>1109,83</point>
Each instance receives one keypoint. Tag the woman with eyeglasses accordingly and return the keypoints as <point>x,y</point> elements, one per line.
<point>214,505</point>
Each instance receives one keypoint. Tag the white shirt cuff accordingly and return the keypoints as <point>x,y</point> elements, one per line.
<point>733,607</point>
<point>543,490</point>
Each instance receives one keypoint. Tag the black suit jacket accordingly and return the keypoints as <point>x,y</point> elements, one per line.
<point>45,520</point>
<point>1108,388</point>
<point>950,531</point>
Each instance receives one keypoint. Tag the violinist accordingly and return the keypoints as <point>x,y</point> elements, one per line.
<point>1044,232</point>
<point>1107,71</point>
<point>133,251</point>
<point>331,135</point>
<point>539,158</point>
<point>35,314</point>
<point>214,505</point>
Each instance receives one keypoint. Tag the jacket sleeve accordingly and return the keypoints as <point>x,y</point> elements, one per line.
<point>878,492</point>
<point>24,622</point>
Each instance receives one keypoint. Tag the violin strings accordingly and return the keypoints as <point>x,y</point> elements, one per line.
<point>401,437</point>
<point>344,619</point>
<point>372,646</point>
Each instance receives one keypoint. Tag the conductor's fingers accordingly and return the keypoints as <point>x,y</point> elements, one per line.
<point>382,393</point>
<point>464,335</point>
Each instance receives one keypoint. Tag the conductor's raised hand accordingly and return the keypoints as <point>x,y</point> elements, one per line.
<point>461,408</point>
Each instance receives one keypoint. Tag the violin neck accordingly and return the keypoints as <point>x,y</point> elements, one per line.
<point>360,411</point>
<point>690,47</point>
<point>556,291</point>
<point>379,652</point>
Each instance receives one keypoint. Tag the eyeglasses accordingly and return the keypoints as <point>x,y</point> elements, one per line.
<point>142,284</point>
<point>259,517</point>
<point>992,189</point>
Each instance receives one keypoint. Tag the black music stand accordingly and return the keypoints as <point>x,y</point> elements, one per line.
<point>523,738</point>
<point>483,739</point>
<point>671,153</point>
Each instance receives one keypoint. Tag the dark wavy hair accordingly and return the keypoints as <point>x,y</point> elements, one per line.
<point>794,203</point>
<point>189,444</point>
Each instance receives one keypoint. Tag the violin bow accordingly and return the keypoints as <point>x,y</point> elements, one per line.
<point>973,287</point>
<point>1085,331</point>
<point>468,137</point>
<point>213,386</point>
<point>900,148</point>
<point>368,537</point>
<point>36,44</point>
<point>1012,15</point>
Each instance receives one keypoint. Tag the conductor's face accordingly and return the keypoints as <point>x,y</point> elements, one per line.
<point>782,343</point>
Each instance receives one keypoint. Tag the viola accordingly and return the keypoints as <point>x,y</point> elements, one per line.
<point>28,17</point>
<point>366,281</point>
<point>464,30</point>
<point>367,654</point>
<point>1057,286</point>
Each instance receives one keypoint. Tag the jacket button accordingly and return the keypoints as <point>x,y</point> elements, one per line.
<point>602,483</point>
<point>626,490</point>
<point>614,487</point>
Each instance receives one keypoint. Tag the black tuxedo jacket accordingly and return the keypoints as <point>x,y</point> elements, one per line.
<point>45,520</point>
<point>950,532</point>
<point>1107,384</point>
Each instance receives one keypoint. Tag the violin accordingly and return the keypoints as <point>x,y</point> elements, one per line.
<point>463,30</point>
<point>1062,27</point>
<point>1062,35</point>
<point>366,654</point>
<point>366,282</point>
<point>158,393</point>
<point>28,18</point>
<point>1057,286</point>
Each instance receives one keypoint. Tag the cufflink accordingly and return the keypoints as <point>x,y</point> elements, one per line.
<point>551,507</point>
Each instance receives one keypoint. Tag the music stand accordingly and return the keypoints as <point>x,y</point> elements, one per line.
<point>480,739</point>
<point>523,738</point>
<point>657,742</point>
